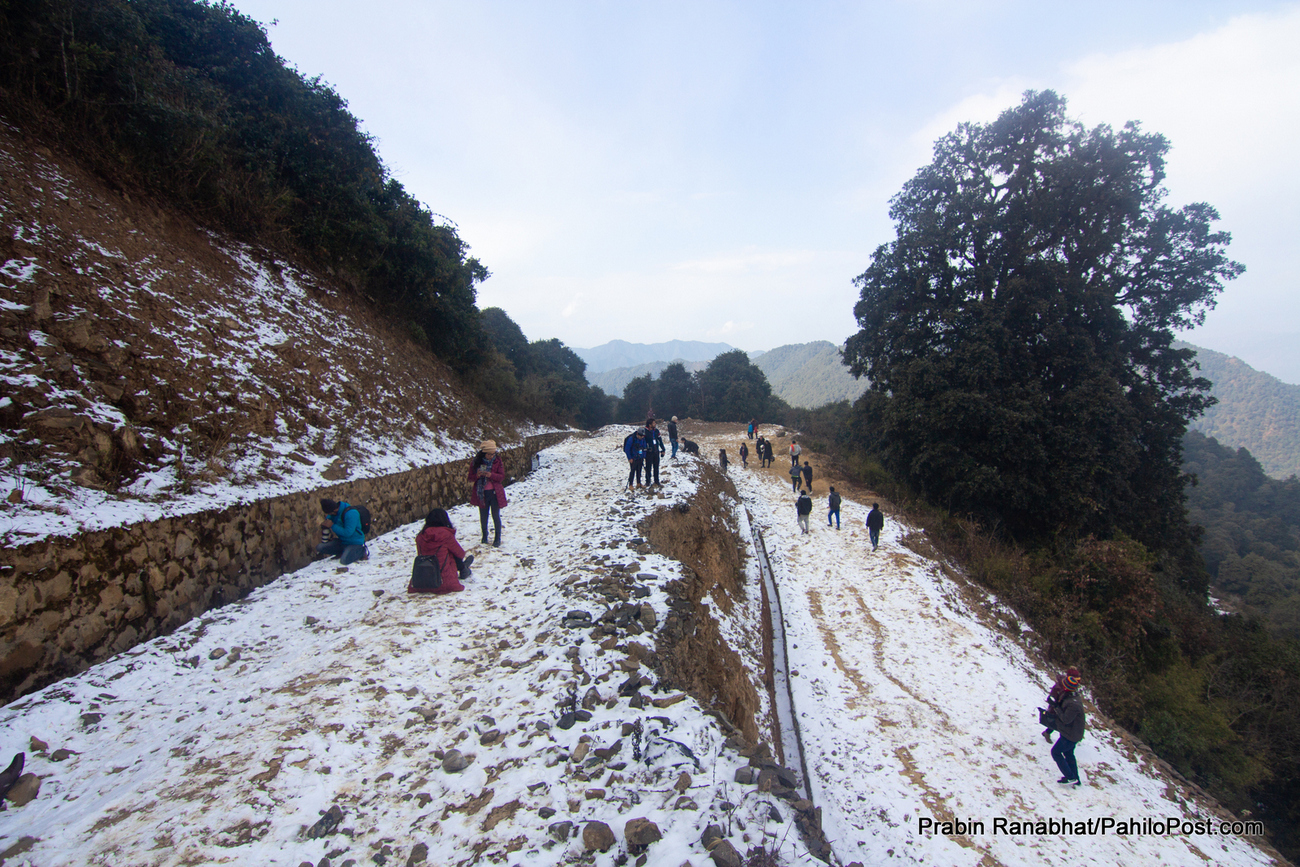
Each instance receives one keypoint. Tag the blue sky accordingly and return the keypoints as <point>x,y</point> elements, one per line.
<point>721,171</point>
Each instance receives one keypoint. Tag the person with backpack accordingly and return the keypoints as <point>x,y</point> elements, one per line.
<point>833,505</point>
<point>345,522</point>
<point>634,446</point>
<point>1070,723</point>
<point>795,451</point>
<point>795,475</point>
<point>672,435</point>
<point>744,456</point>
<point>875,523</point>
<point>487,478</point>
<point>441,564</point>
<point>654,449</point>
<point>802,509</point>
<point>1047,715</point>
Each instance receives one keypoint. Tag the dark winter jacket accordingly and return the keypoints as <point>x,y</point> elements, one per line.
<point>807,475</point>
<point>495,480</point>
<point>803,505</point>
<point>653,441</point>
<point>875,520</point>
<point>347,525</point>
<point>440,543</point>
<point>1069,717</point>
<point>672,431</point>
<point>635,447</point>
<point>833,501</point>
<point>744,452</point>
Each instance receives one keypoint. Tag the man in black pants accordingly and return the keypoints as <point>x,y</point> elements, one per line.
<point>654,447</point>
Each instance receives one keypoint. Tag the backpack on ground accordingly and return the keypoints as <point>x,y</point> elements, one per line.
<point>426,573</point>
<point>364,514</point>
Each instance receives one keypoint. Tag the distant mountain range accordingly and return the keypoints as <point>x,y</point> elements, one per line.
<point>1255,410</point>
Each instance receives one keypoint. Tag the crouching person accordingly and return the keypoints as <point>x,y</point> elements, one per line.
<point>440,563</point>
<point>349,542</point>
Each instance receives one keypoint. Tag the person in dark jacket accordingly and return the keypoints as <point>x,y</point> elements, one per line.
<point>634,447</point>
<point>803,508</point>
<point>875,523</point>
<point>759,454</point>
<point>767,453</point>
<point>1054,697</point>
<point>672,435</point>
<point>807,474</point>
<point>654,449</point>
<point>349,542</point>
<point>722,459</point>
<point>744,456</point>
<point>1070,723</point>
<point>487,478</point>
<point>690,447</point>
<point>833,508</point>
<point>438,540</point>
<point>795,475</point>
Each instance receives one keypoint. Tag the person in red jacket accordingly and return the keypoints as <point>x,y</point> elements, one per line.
<point>438,540</point>
<point>487,477</point>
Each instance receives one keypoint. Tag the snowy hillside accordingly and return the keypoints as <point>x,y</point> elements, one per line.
<point>317,718</point>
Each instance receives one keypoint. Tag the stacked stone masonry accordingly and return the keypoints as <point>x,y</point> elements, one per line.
<point>67,603</point>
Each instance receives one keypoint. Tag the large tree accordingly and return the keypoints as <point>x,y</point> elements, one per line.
<point>1017,332</point>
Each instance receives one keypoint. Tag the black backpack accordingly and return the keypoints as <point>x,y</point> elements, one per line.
<point>426,573</point>
<point>364,514</point>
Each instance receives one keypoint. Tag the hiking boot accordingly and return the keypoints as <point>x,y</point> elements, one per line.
<point>465,571</point>
<point>1047,736</point>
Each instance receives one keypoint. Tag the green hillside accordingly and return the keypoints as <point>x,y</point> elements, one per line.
<point>1255,411</point>
<point>809,374</point>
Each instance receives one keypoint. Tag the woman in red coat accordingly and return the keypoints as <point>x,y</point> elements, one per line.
<point>487,478</point>
<point>438,540</point>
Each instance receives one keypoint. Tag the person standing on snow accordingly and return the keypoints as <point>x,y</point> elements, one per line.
<point>795,451</point>
<point>722,459</point>
<point>672,435</point>
<point>634,446</point>
<point>802,509</point>
<point>349,542</point>
<point>654,449</point>
<point>744,456</point>
<point>807,474</point>
<point>487,478</point>
<point>1053,702</point>
<point>1070,722</point>
<point>751,428</point>
<point>875,523</point>
<point>438,541</point>
<point>794,478</point>
<point>767,453</point>
<point>833,505</point>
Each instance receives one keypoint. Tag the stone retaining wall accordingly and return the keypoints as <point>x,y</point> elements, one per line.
<point>67,603</point>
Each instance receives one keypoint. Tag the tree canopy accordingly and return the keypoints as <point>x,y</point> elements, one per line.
<point>1017,332</point>
<point>731,388</point>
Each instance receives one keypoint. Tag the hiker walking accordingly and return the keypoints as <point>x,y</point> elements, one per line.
<point>833,507</point>
<point>758,450</point>
<point>795,451</point>
<point>744,456</point>
<point>487,478</point>
<point>767,453</point>
<point>343,520</point>
<point>654,449</point>
<point>672,435</point>
<point>440,563</point>
<point>751,428</point>
<point>875,523</point>
<point>722,459</point>
<point>634,446</point>
<point>802,509</point>
<point>795,475</point>
<point>1070,723</point>
<point>807,474</point>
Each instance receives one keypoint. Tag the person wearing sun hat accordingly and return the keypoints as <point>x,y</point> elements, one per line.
<point>1070,723</point>
<point>487,477</point>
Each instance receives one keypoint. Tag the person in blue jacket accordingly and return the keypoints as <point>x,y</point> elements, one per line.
<point>654,449</point>
<point>349,542</point>
<point>634,446</point>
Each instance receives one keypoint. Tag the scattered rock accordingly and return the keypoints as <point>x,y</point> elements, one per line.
<point>745,775</point>
<point>453,762</point>
<point>37,745</point>
<point>27,788</point>
<point>559,830</point>
<point>594,794</point>
<point>327,824</point>
<point>668,701</point>
<point>580,752</point>
<point>61,754</point>
<point>597,836</point>
<point>725,855</point>
<point>683,782</point>
<point>311,621</point>
<point>217,653</point>
<point>546,812</point>
<point>567,720</point>
<point>591,699</point>
<point>640,833</point>
<point>419,854</point>
<point>489,738</point>
<point>684,803</point>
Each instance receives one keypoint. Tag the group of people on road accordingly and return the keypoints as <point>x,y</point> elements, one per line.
<point>643,447</point>
<point>441,564</point>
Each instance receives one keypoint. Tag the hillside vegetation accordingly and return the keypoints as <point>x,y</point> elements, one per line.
<point>1254,410</point>
<point>809,375</point>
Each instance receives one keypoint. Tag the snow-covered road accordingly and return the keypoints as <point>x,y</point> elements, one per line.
<point>227,741</point>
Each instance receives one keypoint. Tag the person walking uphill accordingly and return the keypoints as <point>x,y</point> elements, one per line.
<point>807,474</point>
<point>1070,723</point>
<point>795,475</point>
<point>795,451</point>
<point>875,523</point>
<point>654,449</point>
<point>487,478</point>
<point>744,456</point>
<point>833,508</point>
<point>349,542</point>
<point>803,508</point>
<point>440,563</point>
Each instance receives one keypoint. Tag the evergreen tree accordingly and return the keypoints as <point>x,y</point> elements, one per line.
<point>1017,332</point>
